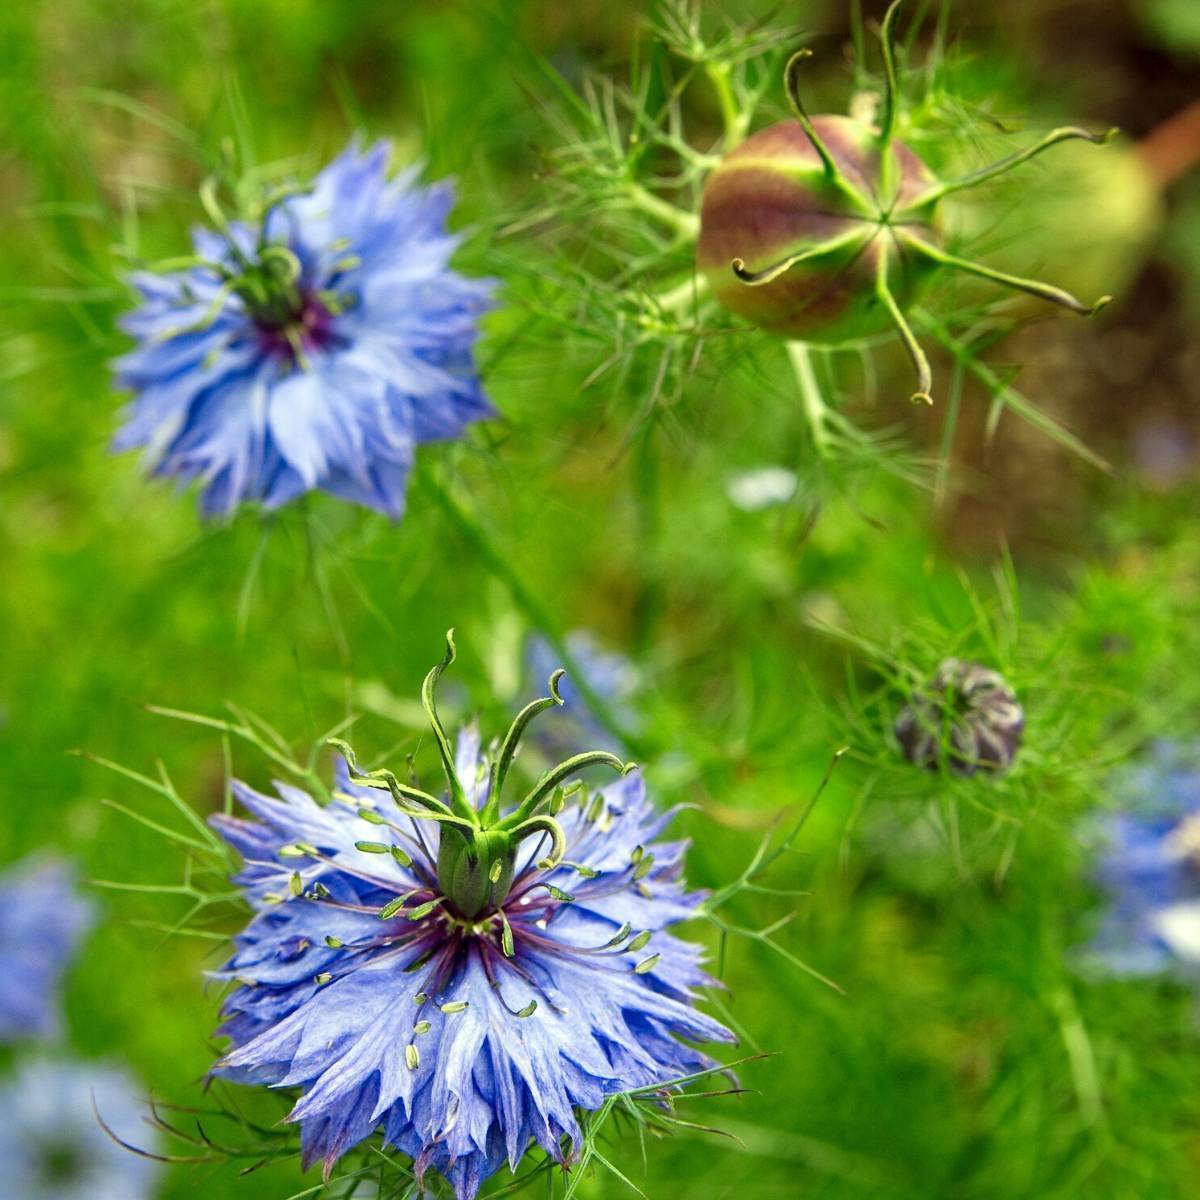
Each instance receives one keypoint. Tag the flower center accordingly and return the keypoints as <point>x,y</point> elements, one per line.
<point>475,869</point>
<point>477,850</point>
<point>293,318</point>
<point>289,330</point>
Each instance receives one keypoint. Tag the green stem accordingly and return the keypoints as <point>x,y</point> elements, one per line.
<point>508,748</point>
<point>733,118</point>
<point>833,173</point>
<point>1080,1056</point>
<point>815,408</point>
<point>908,339</point>
<point>686,224</point>
<point>891,98</point>
<point>529,603</point>
<point>858,34</point>
<point>677,300</point>
<point>861,233</point>
<point>545,786</point>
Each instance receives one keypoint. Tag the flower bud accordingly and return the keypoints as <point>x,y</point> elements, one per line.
<point>967,717</point>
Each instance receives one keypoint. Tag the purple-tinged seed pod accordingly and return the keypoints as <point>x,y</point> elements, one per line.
<point>769,199</point>
<point>967,718</point>
<point>824,228</point>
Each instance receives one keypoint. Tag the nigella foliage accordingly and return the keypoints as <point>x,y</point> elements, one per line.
<point>312,349</point>
<point>52,1145</point>
<point>42,919</point>
<point>1150,868</point>
<point>460,976</point>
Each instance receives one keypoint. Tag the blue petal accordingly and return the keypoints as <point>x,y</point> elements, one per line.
<point>42,920</point>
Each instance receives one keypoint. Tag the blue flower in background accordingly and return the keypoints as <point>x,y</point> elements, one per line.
<point>52,1145</point>
<point>42,919</point>
<point>611,676</point>
<point>1150,868</point>
<point>312,352</point>
<point>463,984</point>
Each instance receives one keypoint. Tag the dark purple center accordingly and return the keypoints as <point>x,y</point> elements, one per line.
<point>310,327</point>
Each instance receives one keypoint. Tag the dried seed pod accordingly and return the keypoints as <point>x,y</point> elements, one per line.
<point>967,718</point>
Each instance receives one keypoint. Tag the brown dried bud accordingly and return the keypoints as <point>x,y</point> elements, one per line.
<point>967,717</point>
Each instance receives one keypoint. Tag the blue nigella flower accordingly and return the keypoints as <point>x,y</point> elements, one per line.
<point>42,919</point>
<point>461,976</point>
<point>312,350</point>
<point>52,1145</point>
<point>1150,869</point>
<point>611,676</point>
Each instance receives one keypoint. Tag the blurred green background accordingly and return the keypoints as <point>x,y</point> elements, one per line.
<point>966,1059</point>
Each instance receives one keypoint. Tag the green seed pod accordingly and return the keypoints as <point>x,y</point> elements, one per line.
<point>1091,221</point>
<point>475,871</point>
<point>825,228</point>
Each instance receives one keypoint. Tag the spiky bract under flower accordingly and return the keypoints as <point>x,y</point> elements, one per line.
<point>42,919</point>
<point>374,979</point>
<point>1150,868</point>
<point>312,349</point>
<point>52,1145</point>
